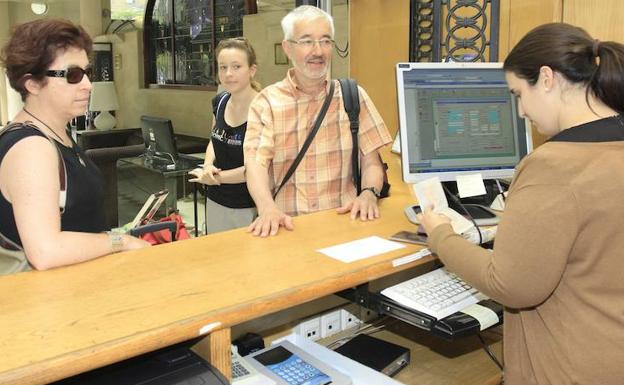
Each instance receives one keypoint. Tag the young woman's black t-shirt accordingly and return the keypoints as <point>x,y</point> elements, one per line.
<point>227,143</point>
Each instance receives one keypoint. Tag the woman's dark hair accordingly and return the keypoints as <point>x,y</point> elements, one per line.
<point>33,47</point>
<point>573,53</point>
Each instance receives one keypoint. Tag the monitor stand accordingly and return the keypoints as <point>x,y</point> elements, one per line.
<point>491,192</point>
<point>478,206</point>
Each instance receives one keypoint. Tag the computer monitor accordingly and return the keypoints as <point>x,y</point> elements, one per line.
<point>159,139</point>
<point>458,118</point>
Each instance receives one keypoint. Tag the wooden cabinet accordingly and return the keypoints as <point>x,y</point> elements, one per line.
<point>379,38</point>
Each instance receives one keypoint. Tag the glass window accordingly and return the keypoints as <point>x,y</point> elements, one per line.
<point>127,9</point>
<point>181,35</point>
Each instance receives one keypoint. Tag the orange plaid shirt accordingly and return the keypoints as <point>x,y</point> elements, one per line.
<point>280,118</point>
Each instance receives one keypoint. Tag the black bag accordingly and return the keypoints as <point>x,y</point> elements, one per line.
<point>351,98</point>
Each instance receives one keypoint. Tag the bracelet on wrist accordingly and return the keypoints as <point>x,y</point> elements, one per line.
<point>116,241</point>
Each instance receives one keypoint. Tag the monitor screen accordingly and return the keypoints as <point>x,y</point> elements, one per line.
<point>458,118</point>
<point>158,137</point>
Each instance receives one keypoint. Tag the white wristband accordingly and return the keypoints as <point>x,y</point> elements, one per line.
<point>116,241</point>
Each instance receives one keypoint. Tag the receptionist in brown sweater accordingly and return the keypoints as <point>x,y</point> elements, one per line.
<point>558,258</point>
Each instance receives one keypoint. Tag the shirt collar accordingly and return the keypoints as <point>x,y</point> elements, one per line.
<point>609,129</point>
<point>292,81</point>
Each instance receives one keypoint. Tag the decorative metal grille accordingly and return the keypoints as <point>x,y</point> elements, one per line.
<point>454,30</point>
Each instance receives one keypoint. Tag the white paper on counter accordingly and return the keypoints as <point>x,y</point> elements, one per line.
<point>360,249</point>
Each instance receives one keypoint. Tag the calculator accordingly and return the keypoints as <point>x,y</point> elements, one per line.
<point>288,364</point>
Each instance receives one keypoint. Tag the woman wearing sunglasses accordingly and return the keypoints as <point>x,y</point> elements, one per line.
<point>46,62</point>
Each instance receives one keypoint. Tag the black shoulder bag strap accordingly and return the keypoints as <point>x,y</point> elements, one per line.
<point>306,144</point>
<point>351,98</point>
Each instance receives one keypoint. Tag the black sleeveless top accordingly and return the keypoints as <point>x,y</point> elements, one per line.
<point>227,143</point>
<point>84,210</point>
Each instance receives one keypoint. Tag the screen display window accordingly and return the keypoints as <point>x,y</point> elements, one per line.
<point>458,118</point>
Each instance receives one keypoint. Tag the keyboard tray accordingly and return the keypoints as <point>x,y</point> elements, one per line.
<point>455,326</point>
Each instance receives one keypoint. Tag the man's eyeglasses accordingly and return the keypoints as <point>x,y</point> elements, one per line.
<point>73,75</point>
<point>309,43</point>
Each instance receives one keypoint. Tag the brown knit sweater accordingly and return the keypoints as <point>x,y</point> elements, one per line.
<point>558,260</point>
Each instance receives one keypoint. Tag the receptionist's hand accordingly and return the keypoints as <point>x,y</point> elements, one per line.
<point>431,220</point>
<point>269,222</point>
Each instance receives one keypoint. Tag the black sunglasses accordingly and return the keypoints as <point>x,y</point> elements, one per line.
<point>73,75</point>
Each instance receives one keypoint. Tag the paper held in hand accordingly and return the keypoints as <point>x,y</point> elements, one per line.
<point>431,195</point>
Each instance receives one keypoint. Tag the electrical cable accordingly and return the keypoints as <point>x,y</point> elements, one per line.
<point>500,189</point>
<point>366,329</point>
<point>467,214</point>
<point>170,156</point>
<point>489,352</point>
